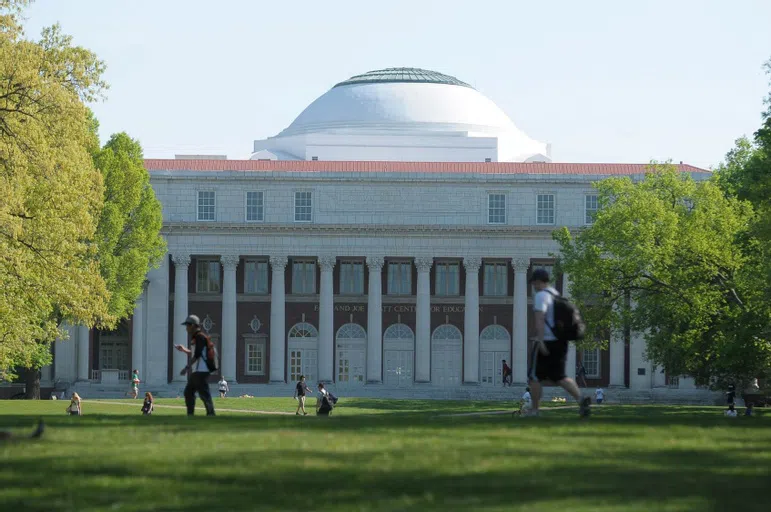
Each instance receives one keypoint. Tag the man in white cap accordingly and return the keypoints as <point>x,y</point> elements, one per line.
<point>198,369</point>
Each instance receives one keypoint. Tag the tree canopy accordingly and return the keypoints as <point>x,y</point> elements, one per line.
<point>672,258</point>
<point>79,224</point>
<point>50,191</point>
<point>128,232</point>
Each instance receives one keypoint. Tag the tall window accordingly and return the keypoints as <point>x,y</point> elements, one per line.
<point>206,205</point>
<point>255,206</point>
<point>590,210</point>
<point>545,209</point>
<point>303,276</point>
<point>591,361</point>
<point>207,276</point>
<point>447,279</point>
<point>256,277</point>
<point>496,279</point>
<point>303,211</point>
<point>352,277</point>
<point>399,278</point>
<point>255,358</point>
<point>496,208</point>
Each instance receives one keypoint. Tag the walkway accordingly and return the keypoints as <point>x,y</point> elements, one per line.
<point>139,403</point>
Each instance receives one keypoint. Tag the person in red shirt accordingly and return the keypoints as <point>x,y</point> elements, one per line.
<point>506,373</point>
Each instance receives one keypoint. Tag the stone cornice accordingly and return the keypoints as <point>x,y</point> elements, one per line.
<point>358,230</point>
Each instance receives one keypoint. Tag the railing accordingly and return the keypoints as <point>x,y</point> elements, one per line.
<point>123,375</point>
<point>673,382</point>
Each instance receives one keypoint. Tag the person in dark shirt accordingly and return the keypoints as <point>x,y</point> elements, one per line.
<point>148,404</point>
<point>197,370</point>
<point>506,373</point>
<point>300,391</point>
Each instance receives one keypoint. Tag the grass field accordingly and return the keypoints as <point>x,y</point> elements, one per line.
<point>396,455</point>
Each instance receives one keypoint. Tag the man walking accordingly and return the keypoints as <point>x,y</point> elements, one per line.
<point>197,370</point>
<point>547,362</point>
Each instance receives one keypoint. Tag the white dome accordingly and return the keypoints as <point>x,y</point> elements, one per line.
<point>432,102</point>
<point>409,101</point>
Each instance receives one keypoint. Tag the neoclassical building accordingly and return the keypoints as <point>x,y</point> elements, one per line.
<point>384,238</point>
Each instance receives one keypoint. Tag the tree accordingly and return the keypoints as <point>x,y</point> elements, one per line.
<point>50,192</point>
<point>128,234</point>
<point>668,257</point>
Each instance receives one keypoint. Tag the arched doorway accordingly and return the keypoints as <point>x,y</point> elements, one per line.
<point>446,356</point>
<point>303,352</point>
<point>351,348</point>
<point>398,355</point>
<point>494,347</point>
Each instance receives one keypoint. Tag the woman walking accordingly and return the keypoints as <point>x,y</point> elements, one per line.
<point>300,391</point>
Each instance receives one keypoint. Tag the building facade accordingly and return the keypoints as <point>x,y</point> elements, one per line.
<point>402,261</point>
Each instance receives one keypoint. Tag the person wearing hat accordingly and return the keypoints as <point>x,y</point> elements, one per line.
<point>547,361</point>
<point>198,371</point>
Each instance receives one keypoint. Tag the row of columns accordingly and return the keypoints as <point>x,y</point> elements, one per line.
<point>374,326</point>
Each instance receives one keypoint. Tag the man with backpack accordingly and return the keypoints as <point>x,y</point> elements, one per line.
<point>204,362</point>
<point>557,322</point>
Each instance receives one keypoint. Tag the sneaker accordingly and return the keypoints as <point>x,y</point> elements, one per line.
<point>297,414</point>
<point>584,407</point>
<point>528,413</point>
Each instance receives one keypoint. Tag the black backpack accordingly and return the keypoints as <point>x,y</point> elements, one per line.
<point>332,398</point>
<point>568,323</point>
<point>210,355</point>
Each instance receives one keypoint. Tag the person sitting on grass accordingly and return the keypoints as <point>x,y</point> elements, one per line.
<point>147,405</point>
<point>749,410</point>
<point>74,408</point>
<point>731,412</point>
<point>7,436</point>
<point>525,404</point>
<point>323,404</point>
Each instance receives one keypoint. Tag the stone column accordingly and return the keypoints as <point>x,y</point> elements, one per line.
<point>570,364</point>
<point>157,329</point>
<point>616,355</point>
<point>181,265</point>
<point>519,353</point>
<point>138,336</point>
<point>326,320</point>
<point>277,319</point>
<point>83,355</point>
<point>471,322</point>
<point>423,321</point>
<point>229,327</point>
<point>375,320</point>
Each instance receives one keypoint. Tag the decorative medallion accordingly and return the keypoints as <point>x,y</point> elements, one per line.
<point>255,324</point>
<point>207,324</point>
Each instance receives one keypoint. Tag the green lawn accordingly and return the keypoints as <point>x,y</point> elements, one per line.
<point>401,455</point>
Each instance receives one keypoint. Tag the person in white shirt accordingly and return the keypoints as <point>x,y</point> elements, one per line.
<point>527,402</point>
<point>323,404</point>
<point>731,411</point>
<point>223,387</point>
<point>547,361</point>
<point>599,395</point>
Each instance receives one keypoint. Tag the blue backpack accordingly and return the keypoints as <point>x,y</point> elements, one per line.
<point>332,398</point>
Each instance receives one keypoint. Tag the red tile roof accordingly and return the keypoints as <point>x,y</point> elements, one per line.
<point>422,167</point>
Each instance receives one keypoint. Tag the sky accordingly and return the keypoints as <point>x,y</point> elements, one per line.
<point>601,80</point>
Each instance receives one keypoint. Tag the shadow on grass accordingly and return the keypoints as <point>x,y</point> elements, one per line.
<point>248,482</point>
